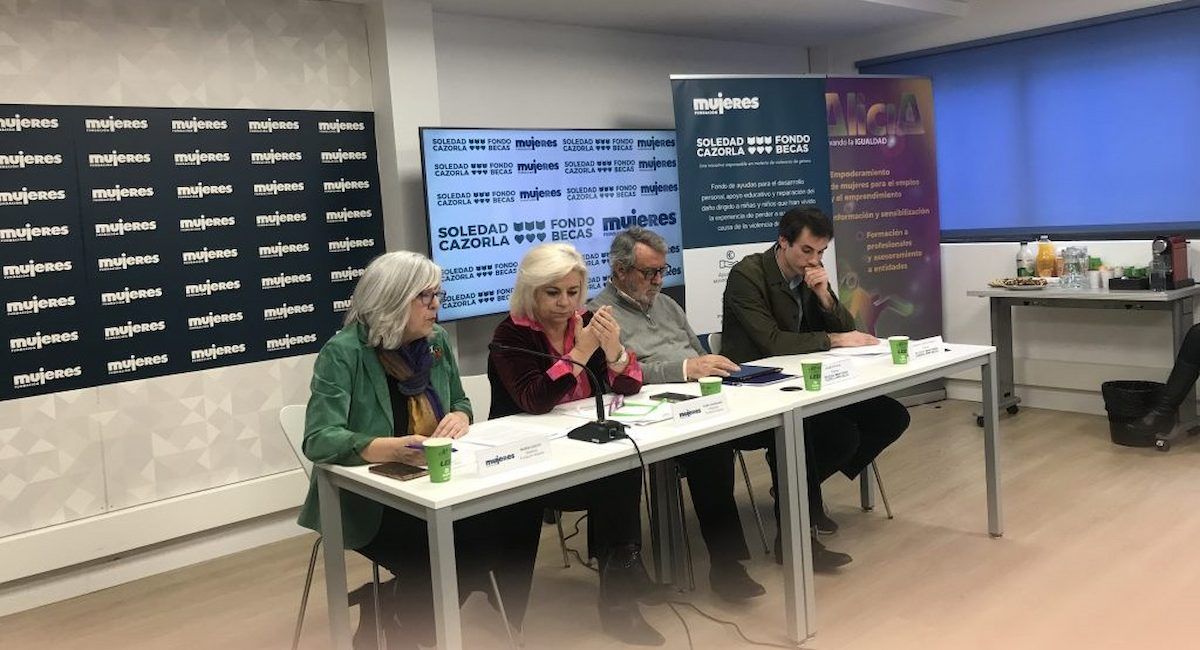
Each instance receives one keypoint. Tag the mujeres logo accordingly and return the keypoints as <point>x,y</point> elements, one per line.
<point>25,196</point>
<point>720,104</point>
<point>22,160</point>
<point>41,376</point>
<point>16,123</point>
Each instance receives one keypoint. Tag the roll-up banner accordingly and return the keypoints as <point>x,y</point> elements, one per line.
<point>883,169</point>
<point>859,148</point>
<point>138,242</point>
<point>749,149</point>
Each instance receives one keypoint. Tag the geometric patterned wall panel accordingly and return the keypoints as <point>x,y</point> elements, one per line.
<point>295,54</point>
<point>75,454</point>
<point>51,465</point>
<point>168,436</point>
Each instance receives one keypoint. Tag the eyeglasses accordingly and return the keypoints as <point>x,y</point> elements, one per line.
<point>650,274</point>
<point>426,297</point>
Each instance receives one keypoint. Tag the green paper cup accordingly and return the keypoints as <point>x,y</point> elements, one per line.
<point>437,457</point>
<point>899,345</point>
<point>812,374</point>
<point>710,385</point>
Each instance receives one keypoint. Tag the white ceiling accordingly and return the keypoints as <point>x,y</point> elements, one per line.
<point>780,22</point>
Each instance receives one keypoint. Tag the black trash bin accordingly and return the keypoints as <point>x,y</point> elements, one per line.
<point>1126,402</point>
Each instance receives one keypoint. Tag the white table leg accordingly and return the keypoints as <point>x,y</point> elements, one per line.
<point>445,579</point>
<point>335,561</point>
<point>794,524</point>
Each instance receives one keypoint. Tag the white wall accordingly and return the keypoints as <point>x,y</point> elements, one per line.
<point>1061,356</point>
<point>498,73</point>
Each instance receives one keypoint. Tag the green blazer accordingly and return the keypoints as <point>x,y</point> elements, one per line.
<point>760,314</point>
<point>350,406</point>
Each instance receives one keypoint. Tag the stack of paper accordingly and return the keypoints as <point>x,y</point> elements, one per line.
<point>861,351</point>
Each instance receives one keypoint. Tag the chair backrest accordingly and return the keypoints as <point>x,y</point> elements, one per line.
<point>479,391</point>
<point>291,419</point>
<point>714,342</point>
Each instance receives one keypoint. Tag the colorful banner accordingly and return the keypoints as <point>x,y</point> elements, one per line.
<point>749,148</point>
<point>883,173</point>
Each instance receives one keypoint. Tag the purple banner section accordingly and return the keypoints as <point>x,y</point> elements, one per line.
<point>883,175</point>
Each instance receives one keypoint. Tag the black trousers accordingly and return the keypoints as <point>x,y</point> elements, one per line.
<point>844,440</point>
<point>710,478</point>
<point>612,504</point>
<point>503,540</point>
<point>1189,352</point>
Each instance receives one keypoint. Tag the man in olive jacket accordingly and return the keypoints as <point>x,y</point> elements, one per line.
<point>779,302</point>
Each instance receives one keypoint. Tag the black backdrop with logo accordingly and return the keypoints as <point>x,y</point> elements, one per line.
<point>139,242</point>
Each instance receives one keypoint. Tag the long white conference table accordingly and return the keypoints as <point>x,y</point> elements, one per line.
<point>751,409</point>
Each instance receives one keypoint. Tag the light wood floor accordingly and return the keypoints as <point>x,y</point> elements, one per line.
<point>1102,550</point>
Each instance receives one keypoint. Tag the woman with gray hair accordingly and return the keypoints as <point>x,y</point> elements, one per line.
<point>546,316</point>
<point>382,385</point>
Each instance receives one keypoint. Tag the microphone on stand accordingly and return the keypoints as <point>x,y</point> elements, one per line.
<point>601,430</point>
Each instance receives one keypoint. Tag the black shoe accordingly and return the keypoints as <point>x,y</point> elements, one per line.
<point>624,623</point>
<point>825,560</point>
<point>623,578</point>
<point>823,524</point>
<point>548,516</point>
<point>364,598</point>
<point>1161,418</point>
<point>1158,422</point>
<point>394,636</point>
<point>730,581</point>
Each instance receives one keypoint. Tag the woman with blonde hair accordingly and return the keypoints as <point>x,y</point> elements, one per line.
<point>546,315</point>
<point>382,385</point>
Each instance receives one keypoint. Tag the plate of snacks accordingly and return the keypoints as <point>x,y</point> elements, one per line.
<point>1019,284</point>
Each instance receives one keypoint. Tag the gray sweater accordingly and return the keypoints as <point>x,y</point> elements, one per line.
<point>660,337</point>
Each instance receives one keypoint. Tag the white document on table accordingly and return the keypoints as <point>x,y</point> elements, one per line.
<point>494,433</point>
<point>637,412</point>
<point>861,351</point>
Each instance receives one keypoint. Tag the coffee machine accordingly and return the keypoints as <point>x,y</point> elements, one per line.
<point>1169,263</point>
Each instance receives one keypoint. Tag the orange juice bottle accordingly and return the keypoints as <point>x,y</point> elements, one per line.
<point>1045,257</point>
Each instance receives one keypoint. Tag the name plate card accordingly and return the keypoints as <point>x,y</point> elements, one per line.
<point>521,453</point>
<point>695,409</point>
<point>836,371</point>
<point>925,348</point>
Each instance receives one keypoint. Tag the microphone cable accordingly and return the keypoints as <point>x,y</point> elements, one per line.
<point>673,604</point>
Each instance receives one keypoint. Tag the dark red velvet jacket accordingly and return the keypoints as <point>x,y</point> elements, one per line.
<point>520,383</point>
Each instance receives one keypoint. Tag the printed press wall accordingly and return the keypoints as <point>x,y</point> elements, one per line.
<point>139,242</point>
